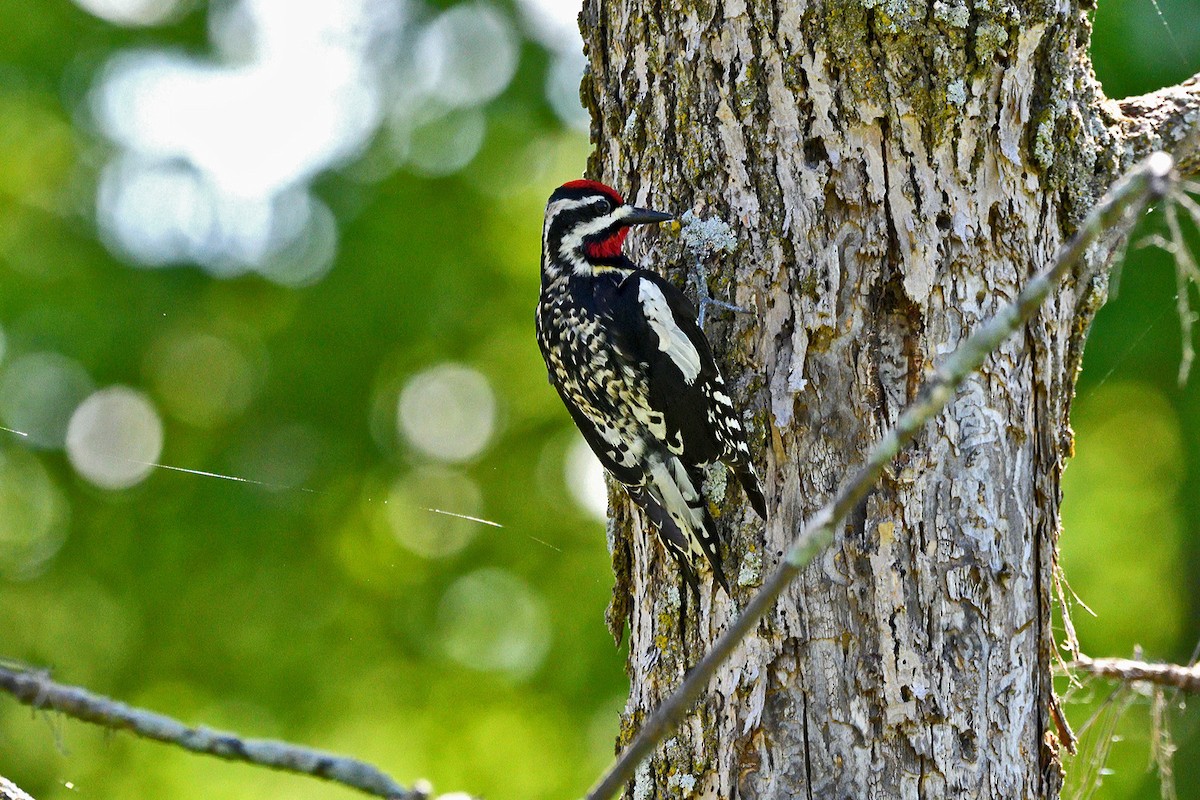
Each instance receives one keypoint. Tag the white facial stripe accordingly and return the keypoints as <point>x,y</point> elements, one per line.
<point>552,212</point>
<point>574,239</point>
<point>600,223</point>
<point>566,204</point>
<point>556,208</point>
<point>671,339</point>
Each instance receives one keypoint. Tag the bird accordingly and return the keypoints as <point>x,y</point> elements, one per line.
<point>624,351</point>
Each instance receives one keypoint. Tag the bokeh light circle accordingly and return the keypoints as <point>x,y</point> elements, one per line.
<point>470,52</point>
<point>413,507</point>
<point>585,479</point>
<point>114,438</point>
<point>448,412</point>
<point>282,456</point>
<point>1117,487</point>
<point>38,392</point>
<point>156,214</point>
<point>441,145</point>
<point>305,240</point>
<point>492,621</point>
<point>132,12</point>
<point>215,155</point>
<point>562,89</point>
<point>202,379</point>
<point>554,22</point>
<point>33,515</point>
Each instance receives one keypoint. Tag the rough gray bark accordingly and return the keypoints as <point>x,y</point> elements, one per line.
<point>893,172</point>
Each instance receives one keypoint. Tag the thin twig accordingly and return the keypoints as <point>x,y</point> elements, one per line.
<point>1150,179</point>
<point>1101,733</point>
<point>1162,744</point>
<point>1185,272</point>
<point>36,689</point>
<point>1127,670</point>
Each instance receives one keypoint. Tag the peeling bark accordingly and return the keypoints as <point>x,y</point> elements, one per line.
<point>893,171</point>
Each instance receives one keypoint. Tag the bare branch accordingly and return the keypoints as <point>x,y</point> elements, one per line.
<point>1120,208</point>
<point>10,791</point>
<point>36,689</point>
<point>1127,670</point>
<point>1167,120</point>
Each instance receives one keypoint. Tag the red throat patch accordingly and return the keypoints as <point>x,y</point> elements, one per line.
<point>608,248</point>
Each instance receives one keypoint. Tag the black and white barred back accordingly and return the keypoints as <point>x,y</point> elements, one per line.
<point>636,372</point>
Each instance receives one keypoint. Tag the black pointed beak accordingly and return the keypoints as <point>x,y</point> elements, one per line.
<point>645,216</point>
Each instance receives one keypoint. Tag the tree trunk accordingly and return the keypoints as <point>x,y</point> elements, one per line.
<point>893,172</point>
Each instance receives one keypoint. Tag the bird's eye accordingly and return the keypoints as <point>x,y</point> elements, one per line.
<point>605,205</point>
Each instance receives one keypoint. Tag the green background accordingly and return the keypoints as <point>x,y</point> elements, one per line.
<point>320,602</point>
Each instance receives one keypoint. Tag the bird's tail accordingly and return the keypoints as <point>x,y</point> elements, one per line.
<point>673,499</point>
<point>752,486</point>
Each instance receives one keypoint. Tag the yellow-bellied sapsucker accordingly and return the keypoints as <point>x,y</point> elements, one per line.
<point>636,372</point>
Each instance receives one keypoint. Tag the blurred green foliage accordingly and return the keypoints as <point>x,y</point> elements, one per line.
<point>318,600</point>
<point>1131,504</point>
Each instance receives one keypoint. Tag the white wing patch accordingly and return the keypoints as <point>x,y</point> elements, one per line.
<point>671,339</point>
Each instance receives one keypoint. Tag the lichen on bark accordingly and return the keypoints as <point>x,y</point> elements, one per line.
<point>893,171</point>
